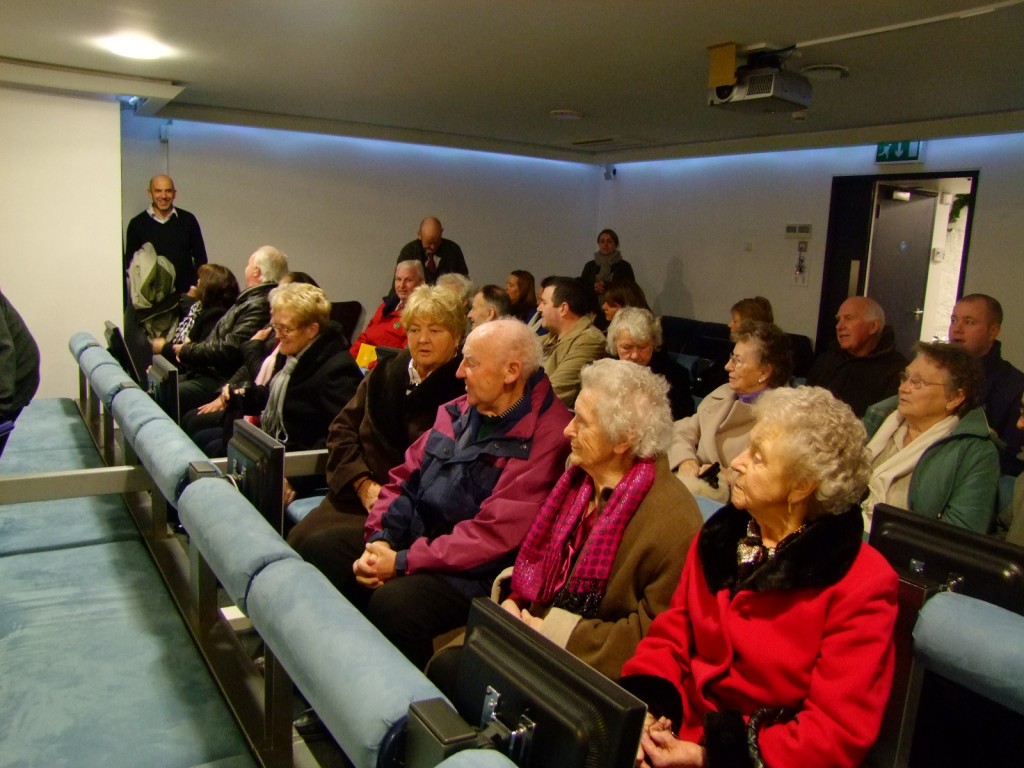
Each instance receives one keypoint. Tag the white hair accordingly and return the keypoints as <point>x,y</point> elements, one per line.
<point>873,312</point>
<point>414,264</point>
<point>639,323</point>
<point>823,440</point>
<point>632,405</point>
<point>272,262</point>
<point>458,284</point>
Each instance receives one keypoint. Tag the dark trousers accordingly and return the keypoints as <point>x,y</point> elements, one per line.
<point>197,390</point>
<point>6,427</point>
<point>208,430</point>
<point>410,611</point>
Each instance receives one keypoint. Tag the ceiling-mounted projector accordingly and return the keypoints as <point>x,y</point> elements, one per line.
<point>765,90</point>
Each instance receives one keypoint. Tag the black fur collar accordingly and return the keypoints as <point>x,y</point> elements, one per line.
<point>818,557</point>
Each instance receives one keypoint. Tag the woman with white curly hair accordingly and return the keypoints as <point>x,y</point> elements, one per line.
<point>777,648</point>
<point>605,552</point>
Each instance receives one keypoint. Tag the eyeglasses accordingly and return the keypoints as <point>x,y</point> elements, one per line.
<point>284,330</point>
<point>629,349</point>
<point>916,382</point>
<point>736,360</point>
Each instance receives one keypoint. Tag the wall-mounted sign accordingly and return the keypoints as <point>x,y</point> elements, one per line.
<point>898,152</point>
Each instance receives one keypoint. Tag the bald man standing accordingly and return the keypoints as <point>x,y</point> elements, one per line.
<point>174,233</point>
<point>438,255</point>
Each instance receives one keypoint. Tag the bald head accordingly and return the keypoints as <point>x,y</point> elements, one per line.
<point>430,234</point>
<point>497,360</point>
<point>161,192</point>
<point>859,324</point>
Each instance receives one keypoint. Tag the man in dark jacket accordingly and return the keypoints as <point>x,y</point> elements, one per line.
<point>19,367</point>
<point>864,367</point>
<point>438,255</point>
<point>974,325</point>
<point>211,362</point>
<point>455,512</point>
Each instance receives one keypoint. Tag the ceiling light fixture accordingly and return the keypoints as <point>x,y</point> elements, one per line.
<point>566,114</point>
<point>825,72</point>
<point>133,45</point>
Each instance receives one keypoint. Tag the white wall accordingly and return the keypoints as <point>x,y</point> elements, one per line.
<point>700,233</point>
<point>343,208</point>
<point>60,206</point>
<point>685,226</point>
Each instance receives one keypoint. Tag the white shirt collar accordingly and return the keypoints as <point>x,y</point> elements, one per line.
<point>156,217</point>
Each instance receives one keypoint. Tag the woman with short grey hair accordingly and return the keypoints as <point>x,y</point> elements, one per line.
<point>606,549</point>
<point>635,335</point>
<point>706,443</point>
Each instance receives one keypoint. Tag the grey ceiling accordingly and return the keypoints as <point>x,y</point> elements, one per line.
<point>485,74</point>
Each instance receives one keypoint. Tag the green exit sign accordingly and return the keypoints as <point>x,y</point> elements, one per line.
<point>898,152</point>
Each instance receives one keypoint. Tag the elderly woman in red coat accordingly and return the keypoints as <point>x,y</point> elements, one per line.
<point>777,647</point>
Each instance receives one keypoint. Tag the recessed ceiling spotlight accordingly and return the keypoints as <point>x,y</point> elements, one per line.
<point>134,46</point>
<point>566,114</point>
<point>824,72</point>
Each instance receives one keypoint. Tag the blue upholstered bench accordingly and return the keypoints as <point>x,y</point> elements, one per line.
<point>96,665</point>
<point>296,511</point>
<point>319,639</point>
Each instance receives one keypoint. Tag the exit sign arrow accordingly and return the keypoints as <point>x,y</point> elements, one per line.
<point>898,152</point>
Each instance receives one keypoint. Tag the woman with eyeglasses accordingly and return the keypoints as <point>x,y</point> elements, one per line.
<point>302,385</point>
<point>930,445</point>
<point>314,376</point>
<point>719,431</point>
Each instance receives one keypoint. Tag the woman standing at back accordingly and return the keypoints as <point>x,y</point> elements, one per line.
<point>607,266</point>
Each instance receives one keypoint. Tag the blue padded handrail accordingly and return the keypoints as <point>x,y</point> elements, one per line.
<point>80,342</point>
<point>357,681</point>
<point>974,643</point>
<point>232,536</point>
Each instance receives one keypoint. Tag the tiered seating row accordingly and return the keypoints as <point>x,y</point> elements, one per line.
<point>97,668</point>
<point>359,684</point>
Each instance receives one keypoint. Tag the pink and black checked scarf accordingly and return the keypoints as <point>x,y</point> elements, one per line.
<point>539,565</point>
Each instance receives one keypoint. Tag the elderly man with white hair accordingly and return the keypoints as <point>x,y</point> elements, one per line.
<point>452,516</point>
<point>864,366</point>
<point>385,327</point>
<point>209,363</point>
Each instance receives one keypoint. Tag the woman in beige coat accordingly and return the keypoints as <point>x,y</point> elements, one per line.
<point>720,430</point>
